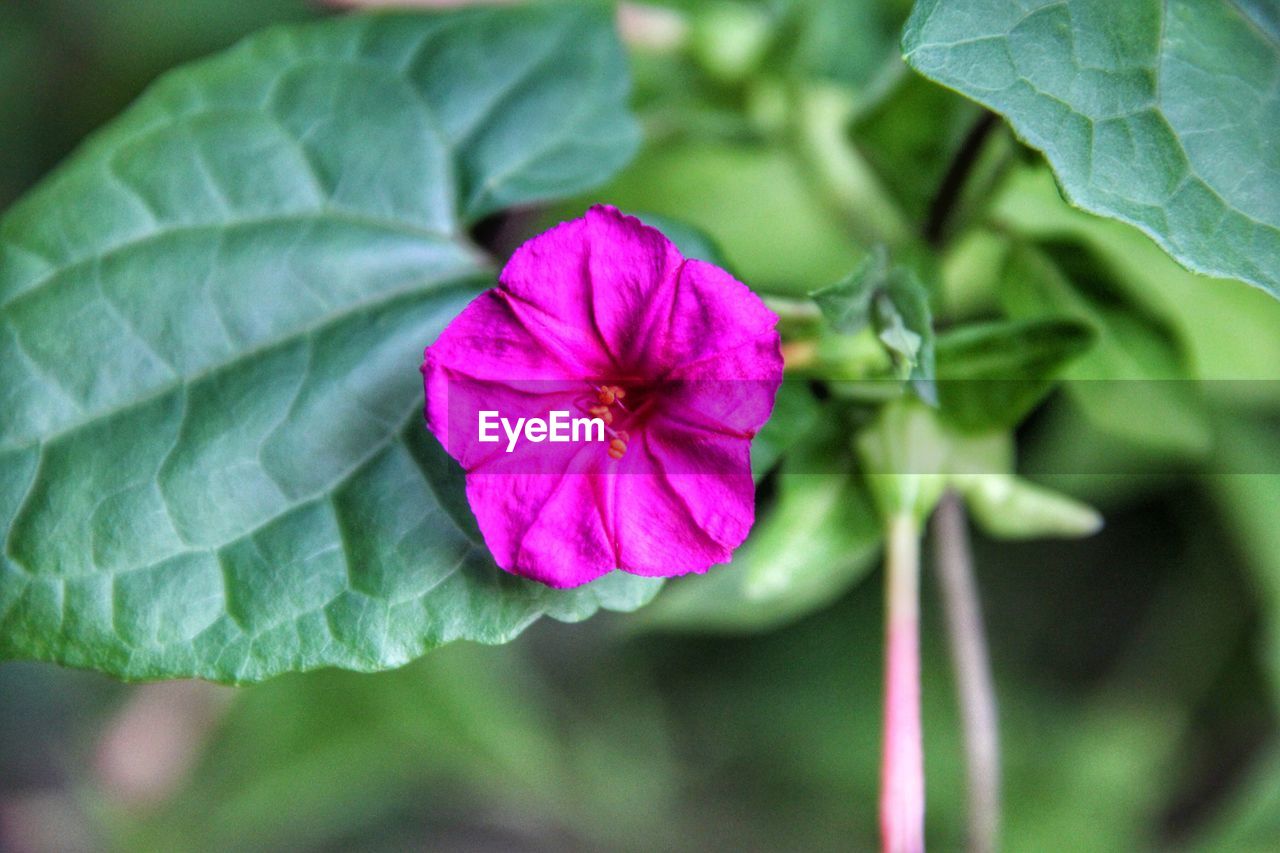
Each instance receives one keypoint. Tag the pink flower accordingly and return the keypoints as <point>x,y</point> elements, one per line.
<point>602,317</point>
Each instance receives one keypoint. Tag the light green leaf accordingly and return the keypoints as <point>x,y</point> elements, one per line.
<point>817,540</point>
<point>1228,328</point>
<point>1138,362</point>
<point>718,187</point>
<point>1160,114</point>
<point>212,460</point>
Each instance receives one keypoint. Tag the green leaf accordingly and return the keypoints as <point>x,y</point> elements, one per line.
<point>1160,114</point>
<point>212,460</point>
<point>818,539</point>
<point>991,375</point>
<point>895,305</point>
<point>847,304</point>
<point>1138,362</point>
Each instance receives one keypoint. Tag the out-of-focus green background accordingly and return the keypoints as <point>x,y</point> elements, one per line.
<point>1138,701</point>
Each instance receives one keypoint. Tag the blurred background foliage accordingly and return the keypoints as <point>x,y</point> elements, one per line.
<point>1138,670</point>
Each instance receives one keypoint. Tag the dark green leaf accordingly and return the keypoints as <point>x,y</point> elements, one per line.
<point>212,460</point>
<point>795,413</point>
<point>1160,114</point>
<point>991,375</point>
<point>910,138</point>
<point>1250,820</point>
<point>1247,486</point>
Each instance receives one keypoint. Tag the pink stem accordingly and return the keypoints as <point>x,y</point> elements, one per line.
<point>902,769</point>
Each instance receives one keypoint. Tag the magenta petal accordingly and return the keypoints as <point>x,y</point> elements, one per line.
<point>633,271</point>
<point>488,360</point>
<point>657,533</point>
<point>731,392</point>
<point>713,312</point>
<point>453,412</point>
<point>548,282</point>
<point>547,527</point>
<point>711,476</point>
<point>489,341</point>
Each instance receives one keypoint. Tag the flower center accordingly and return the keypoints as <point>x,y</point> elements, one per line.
<point>611,404</point>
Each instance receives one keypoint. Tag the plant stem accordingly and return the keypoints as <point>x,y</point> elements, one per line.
<point>947,198</point>
<point>902,768</point>
<point>975,691</point>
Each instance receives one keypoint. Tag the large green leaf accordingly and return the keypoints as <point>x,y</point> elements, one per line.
<point>1161,114</point>
<point>1228,328</point>
<point>212,461</point>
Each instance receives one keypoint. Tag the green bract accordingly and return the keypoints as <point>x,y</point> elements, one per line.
<point>212,461</point>
<point>1161,114</point>
<point>895,305</point>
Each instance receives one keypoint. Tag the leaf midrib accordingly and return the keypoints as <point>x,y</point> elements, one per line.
<point>320,214</point>
<point>440,286</point>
